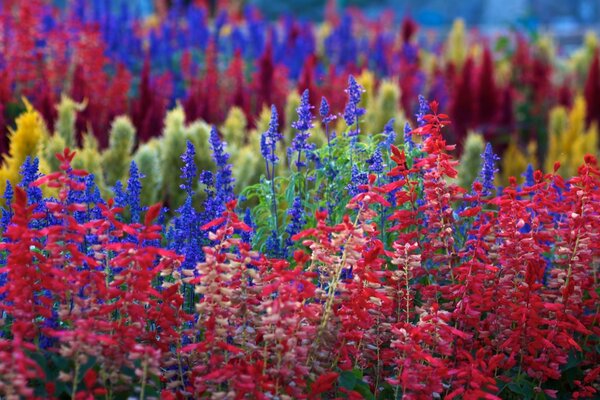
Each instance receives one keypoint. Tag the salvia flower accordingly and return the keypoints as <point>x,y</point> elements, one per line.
<point>273,245</point>
<point>302,125</point>
<point>121,199</point>
<point>268,143</point>
<point>30,173</point>
<point>305,117</point>
<point>528,175</point>
<point>376,162</point>
<point>488,170</point>
<point>324,112</point>
<point>353,112</point>
<point>389,133</point>
<point>223,177</point>
<point>247,235</point>
<point>7,209</point>
<point>358,178</point>
<point>408,142</point>
<point>93,195</point>
<point>296,223</point>
<point>189,170</point>
<point>324,108</point>
<point>424,109</point>
<point>134,191</point>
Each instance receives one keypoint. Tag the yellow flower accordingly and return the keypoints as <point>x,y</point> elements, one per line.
<point>25,141</point>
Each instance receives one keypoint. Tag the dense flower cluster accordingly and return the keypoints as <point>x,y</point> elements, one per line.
<point>407,287</point>
<point>112,60</point>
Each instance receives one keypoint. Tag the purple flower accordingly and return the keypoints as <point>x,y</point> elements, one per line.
<point>528,175</point>
<point>268,143</point>
<point>324,109</point>
<point>302,125</point>
<point>488,170</point>
<point>305,117</point>
<point>353,112</point>
<point>390,134</point>
<point>409,145</point>
<point>357,178</point>
<point>188,171</point>
<point>423,110</point>
<point>297,222</point>
<point>30,173</point>
<point>376,161</point>
<point>247,236</point>
<point>134,190</point>
<point>223,176</point>
<point>324,112</point>
<point>7,212</point>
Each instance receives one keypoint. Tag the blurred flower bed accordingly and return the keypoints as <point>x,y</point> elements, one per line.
<point>519,92</point>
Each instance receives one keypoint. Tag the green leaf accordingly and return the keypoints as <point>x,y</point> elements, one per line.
<point>363,388</point>
<point>523,388</point>
<point>347,380</point>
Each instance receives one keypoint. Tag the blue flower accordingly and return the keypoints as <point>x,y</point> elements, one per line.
<point>326,117</point>
<point>376,161</point>
<point>357,178</point>
<point>268,143</point>
<point>7,212</point>
<point>29,174</point>
<point>223,177</point>
<point>297,222</point>
<point>389,133</point>
<point>528,175</point>
<point>189,170</point>
<point>353,112</point>
<point>134,190</point>
<point>341,45</point>
<point>488,170</point>
<point>409,145</point>
<point>120,195</point>
<point>273,245</point>
<point>423,110</point>
<point>247,236</point>
<point>305,117</point>
<point>324,108</point>
<point>302,125</point>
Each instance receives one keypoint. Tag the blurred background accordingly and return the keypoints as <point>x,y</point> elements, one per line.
<point>566,18</point>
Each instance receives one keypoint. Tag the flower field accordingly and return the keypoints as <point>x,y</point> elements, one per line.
<point>231,208</point>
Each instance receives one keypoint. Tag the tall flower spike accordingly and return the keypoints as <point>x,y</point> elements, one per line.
<point>358,178</point>
<point>120,195</point>
<point>188,171</point>
<point>488,170</point>
<point>134,191</point>
<point>268,143</point>
<point>296,224</point>
<point>389,133</point>
<point>376,162</point>
<point>424,109</point>
<point>7,209</point>
<point>324,108</point>
<point>223,177</point>
<point>29,174</point>
<point>325,112</point>
<point>302,125</point>
<point>353,112</point>
<point>528,175</point>
<point>408,142</point>
<point>305,117</point>
<point>247,235</point>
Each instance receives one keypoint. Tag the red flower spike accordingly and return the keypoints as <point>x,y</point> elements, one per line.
<point>152,213</point>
